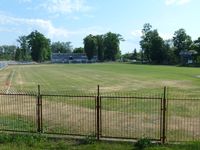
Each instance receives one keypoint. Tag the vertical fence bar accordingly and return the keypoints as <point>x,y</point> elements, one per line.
<point>38,110</point>
<point>98,114</point>
<point>41,124</point>
<point>161,118</point>
<point>164,117</point>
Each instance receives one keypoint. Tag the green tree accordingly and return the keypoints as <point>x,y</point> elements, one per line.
<point>145,43</point>
<point>78,50</point>
<point>18,54</point>
<point>134,55</point>
<point>7,52</point>
<point>24,48</point>
<point>111,46</point>
<point>152,45</point>
<point>90,46</point>
<point>157,53</point>
<point>197,45</point>
<point>39,46</point>
<point>61,47</point>
<point>100,47</point>
<point>181,41</point>
<point>170,57</point>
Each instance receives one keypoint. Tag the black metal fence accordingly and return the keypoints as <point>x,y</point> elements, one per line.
<point>158,117</point>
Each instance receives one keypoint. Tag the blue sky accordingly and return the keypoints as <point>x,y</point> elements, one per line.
<point>72,20</point>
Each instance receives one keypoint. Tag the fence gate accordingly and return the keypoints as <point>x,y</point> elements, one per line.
<point>131,117</point>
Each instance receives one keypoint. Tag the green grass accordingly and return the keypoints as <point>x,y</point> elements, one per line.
<point>17,122</point>
<point>110,76</point>
<point>115,79</point>
<point>37,142</point>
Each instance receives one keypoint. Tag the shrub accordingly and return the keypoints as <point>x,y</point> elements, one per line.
<point>142,143</point>
<point>90,139</point>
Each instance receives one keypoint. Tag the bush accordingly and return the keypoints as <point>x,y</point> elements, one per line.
<point>90,139</point>
<point>5,138</point>
<point>143,143</point>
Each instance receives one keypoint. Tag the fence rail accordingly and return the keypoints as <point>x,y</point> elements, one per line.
<point>158,117</point>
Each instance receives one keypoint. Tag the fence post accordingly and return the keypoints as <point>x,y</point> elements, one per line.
<point>164,117</point>
<point>38,110</point>
<point>98,114</point>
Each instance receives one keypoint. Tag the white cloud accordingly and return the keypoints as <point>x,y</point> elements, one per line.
<point>136,33</point>
<point>24,24</point>
<point>176,2</point>
<point>65,6</point>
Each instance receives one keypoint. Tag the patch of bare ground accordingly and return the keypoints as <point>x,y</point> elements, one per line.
<point>183,128</point>
<point>177,84</point>
<point>189,124</point>
<point>198,76</point>
<point>138,84</point>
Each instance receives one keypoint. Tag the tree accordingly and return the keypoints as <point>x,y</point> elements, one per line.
<point>196,46</point>
<point>7,52</point>
<point>127,57</point>
<point>78,50</point>
<point>111,46</point>
<point>157,53</point>
<point>61,47</point>
<point>181,41</point>
<point>39,46</point>
<point>134,55</point>
<point>145,43</point>
<point>90,46</point>
<point>100,47</point>
<point>170,57</point>
<point>18,54</point>
<point>24,48</point>
<point>152,45</point>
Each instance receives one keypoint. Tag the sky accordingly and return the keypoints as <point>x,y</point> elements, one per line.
<point>72,20</point>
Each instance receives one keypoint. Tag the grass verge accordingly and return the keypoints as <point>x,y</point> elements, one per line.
<point>38,142</point>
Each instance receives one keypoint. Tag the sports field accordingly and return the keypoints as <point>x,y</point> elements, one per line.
<point>112,77</point>
<point>121,117</point>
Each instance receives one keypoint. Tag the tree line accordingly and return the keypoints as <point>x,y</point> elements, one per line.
<point>155,50</point>
<point>36,47</point>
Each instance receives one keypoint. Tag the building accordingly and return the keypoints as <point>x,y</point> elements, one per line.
<point>71,58</point>
<point>187,57</point>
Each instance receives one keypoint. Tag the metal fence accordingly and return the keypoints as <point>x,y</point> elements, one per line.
<point>161,117</point>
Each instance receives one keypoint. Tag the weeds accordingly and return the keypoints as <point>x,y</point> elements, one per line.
<point>142,143</point>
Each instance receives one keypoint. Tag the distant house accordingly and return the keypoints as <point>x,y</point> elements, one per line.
<point>187,57</point>
<point>71,58</point>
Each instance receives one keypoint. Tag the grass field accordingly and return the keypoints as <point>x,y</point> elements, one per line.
<point>110,76</point>
<point>120,117</point>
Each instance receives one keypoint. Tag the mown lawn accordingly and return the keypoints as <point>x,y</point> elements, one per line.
<point>120,117</point>
<point>112,77</point>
